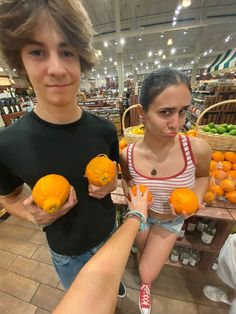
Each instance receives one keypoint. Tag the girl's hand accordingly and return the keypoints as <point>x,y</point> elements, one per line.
<point>184,214</point>
<point>40,217</point>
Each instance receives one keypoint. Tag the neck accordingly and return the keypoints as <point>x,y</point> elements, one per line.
<point>58,114</point>
<point>157,145</point>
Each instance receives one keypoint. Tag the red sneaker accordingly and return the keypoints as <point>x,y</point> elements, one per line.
<point>145,299</point>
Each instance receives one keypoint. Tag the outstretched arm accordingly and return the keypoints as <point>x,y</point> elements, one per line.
<point>96,286</point>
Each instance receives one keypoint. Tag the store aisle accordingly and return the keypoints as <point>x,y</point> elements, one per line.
<point>29,284</point>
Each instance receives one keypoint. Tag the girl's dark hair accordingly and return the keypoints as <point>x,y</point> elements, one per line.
<point>18,19</point>
<point>157,81</point>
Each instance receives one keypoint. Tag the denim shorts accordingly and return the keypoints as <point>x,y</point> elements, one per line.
<point>173,226</point>
<point>67,267</point>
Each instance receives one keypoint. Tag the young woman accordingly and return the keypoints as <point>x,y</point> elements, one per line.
<point>50,43</point>
<point>163,161</point>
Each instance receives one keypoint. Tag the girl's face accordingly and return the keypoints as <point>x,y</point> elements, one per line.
<point>52,65</point>
<point>166,114</point>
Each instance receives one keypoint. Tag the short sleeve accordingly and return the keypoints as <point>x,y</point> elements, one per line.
<point>8,182</point>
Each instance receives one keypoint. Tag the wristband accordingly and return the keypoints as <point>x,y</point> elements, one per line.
<point>140,217</point>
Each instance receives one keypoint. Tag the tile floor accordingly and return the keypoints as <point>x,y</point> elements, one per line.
<point>29,284</point>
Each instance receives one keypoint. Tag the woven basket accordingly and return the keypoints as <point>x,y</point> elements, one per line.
<point>129,137</point>
<point>216,141</point>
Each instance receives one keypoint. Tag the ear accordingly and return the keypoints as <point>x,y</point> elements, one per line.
<point>141,113</point>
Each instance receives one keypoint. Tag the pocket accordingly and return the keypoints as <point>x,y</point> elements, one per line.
<point>60,260</point>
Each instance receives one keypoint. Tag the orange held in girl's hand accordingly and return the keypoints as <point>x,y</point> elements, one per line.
<point>51,192</point>
<point>184,201</point>
<point>100,170</point>
<point>142,189</point>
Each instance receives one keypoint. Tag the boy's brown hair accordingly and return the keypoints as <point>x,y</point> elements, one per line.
<point>18,19</point>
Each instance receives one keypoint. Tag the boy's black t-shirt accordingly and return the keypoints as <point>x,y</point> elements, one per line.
<point>32,148</point>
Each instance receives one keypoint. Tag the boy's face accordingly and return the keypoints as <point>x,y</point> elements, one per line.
<point>53,67</point>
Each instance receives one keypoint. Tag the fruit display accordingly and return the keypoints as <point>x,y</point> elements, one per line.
<point>139,129</point>
<point>122,144</point>
<point>220,129</point>
<point>142,189</point>
<point>51,192</point>
<point>184,200</point>
<point>100,170</point>
<point>223,178</point>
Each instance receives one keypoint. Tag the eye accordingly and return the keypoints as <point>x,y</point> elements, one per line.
<point>67,53</point>
<point>37,53</point>
<point>183,111</point>
<point>165,113</point>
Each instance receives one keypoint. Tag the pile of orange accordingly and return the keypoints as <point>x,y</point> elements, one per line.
<point>223,177</point>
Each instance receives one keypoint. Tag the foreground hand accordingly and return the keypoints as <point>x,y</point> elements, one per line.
<point>138,202</point>
<point>40,217</point>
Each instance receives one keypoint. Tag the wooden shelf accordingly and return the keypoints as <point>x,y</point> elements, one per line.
<point>193,240</point>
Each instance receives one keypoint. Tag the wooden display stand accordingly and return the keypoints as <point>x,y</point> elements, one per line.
<point>11,117</point>
<point>223,213</point>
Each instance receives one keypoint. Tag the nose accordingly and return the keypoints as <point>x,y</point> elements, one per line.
<point>55,66</point>
<point>174,122</point>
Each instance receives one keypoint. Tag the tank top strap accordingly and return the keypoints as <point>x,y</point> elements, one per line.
<point>187,149</point>
<point>130,155</point>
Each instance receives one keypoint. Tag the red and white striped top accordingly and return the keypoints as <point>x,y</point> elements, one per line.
<point>161,188</point>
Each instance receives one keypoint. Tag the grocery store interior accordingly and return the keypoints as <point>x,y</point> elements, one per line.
<point>133,38</point>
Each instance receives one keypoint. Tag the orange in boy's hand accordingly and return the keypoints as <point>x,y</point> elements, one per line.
<point>100,170</point>
<point>51,192</point>
<point>184,200</point>
<point>142,189</point>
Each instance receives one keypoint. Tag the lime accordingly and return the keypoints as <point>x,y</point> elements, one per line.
<point>221,130</point>
<point>232,132</point>
<point>224,125</point>
<point>213,131</point>
<point>206,128</point>
<point>230,127</point>
<point>211,125</point>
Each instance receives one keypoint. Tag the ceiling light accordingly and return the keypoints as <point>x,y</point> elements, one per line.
<point>140,39</point>
<point>179,7</point>
<point>185,33</point>
<point>169,42</point>
<point>162,36</point>
<point>115,43</point>
<point>150,53</point>
<point>164,57</point>
<point>173,50</point>
<point>174,23</point>
<point>105,44</point>
<point>210,51</point>
<point>141,63</point>
<point>176,12</point>
<point>186,3</point>
<point>170,65</point>
<point>160,52</point>
<point>110,59</point>
<point>156,62</point>
<point>122,41</point>
<point>159,66</point>
<point>136,69</point>
<point>115,63</point>
<point>192,62</point>
<point>146,67</point>
<point>1,70</point>
<point>184,50</point>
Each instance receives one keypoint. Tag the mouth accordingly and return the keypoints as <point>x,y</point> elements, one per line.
<point>59,85</point>
<point>171,134</point>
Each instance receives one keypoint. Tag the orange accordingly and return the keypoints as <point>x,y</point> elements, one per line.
<point>218,156</point>
<point>184,200</point>
<point>209,197</point>
<point>216,189</point>
<point>219,174</point>
<point>213,165</point>
<point>122,143</point>
<point>227,185</point>
<point>231,174</point>
<point>191,133</point>
<point>142,189</point>
<point>230,156</point>
<point>100,170</point>
<point>231,196</point>
<point>234,166</point>
<point>226,165</point>
<point>51,192</point>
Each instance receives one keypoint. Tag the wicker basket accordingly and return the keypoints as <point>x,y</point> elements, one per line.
<point>216,141</point>
<point>129,137</point>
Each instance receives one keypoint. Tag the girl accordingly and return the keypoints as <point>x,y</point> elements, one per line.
<point>163,161</point>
